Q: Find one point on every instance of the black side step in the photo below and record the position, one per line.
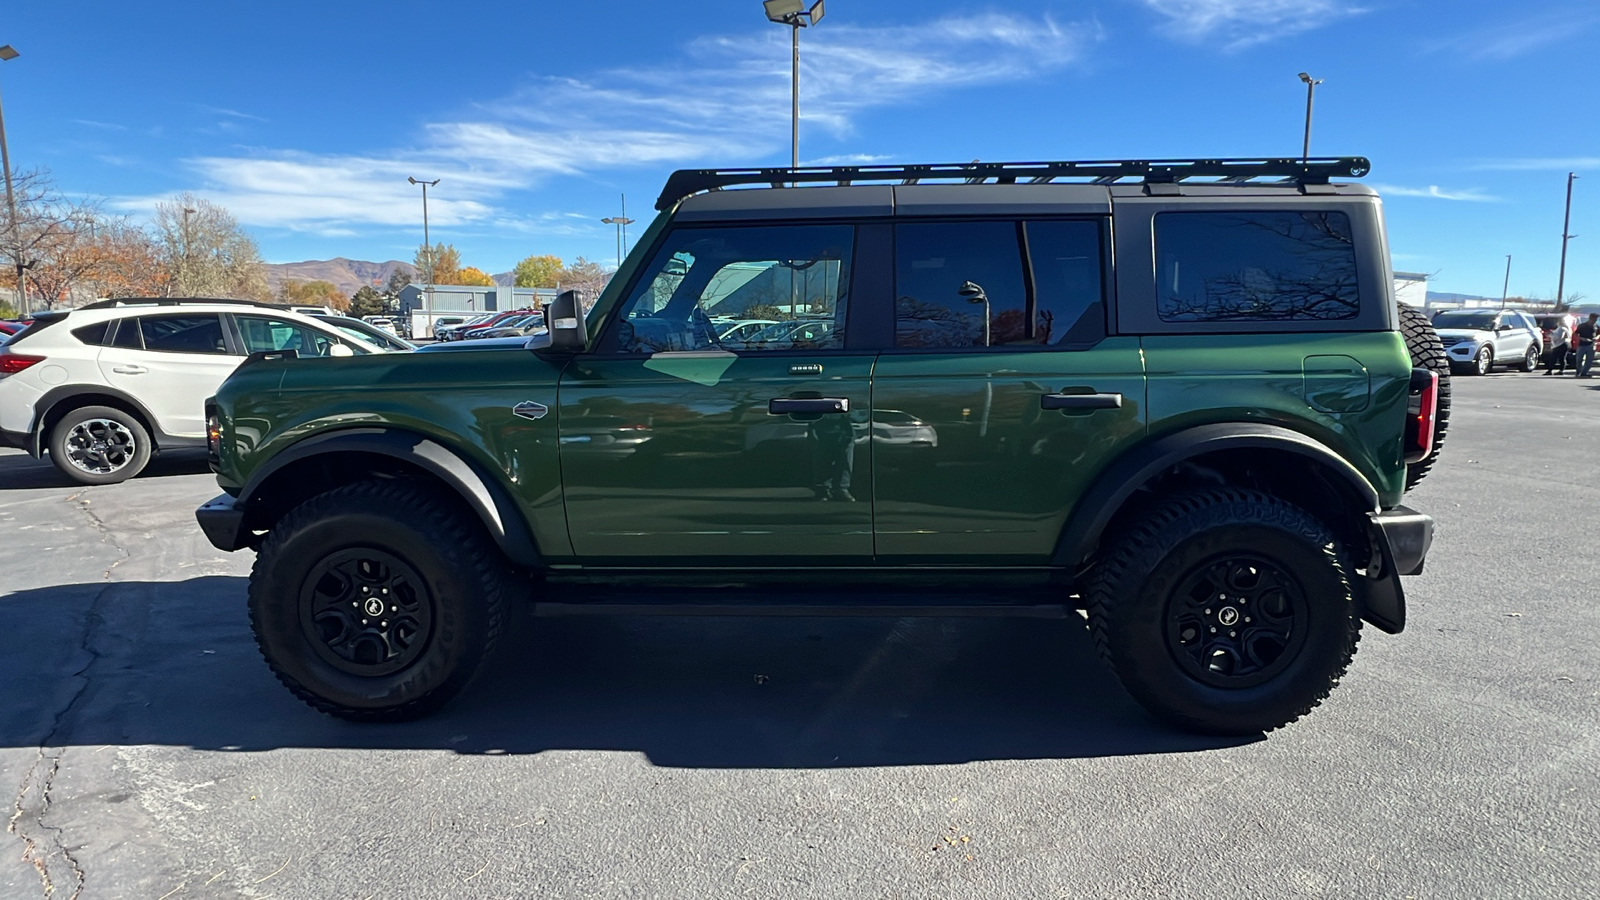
(747, 608)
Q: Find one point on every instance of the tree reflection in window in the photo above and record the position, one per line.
(1255, 267)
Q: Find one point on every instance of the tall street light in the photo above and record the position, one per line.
(1311, 92)
(1506, 288)
(8, 53)
(1566, 227)
(427, 242)
(622, 222)
(794, 14)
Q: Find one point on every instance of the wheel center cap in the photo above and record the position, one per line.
(1228, 616)
(373, 606)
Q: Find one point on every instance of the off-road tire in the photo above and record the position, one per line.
(136, 458)
(422, 529)
(1530, 359)
(1422, 342)
(1133, 603)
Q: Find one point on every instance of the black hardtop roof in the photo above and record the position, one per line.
(685, 183)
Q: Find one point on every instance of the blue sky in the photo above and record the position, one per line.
(304, 119)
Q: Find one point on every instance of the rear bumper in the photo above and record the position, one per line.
(222, 520)
(16, 440)
(1410, 535)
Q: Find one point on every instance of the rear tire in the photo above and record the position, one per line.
(378, 601)
(99, 445)
(1226, 612)
(1427, 353)
(1530, 359)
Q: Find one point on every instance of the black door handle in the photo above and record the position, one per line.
(788, 406)
(1080, 401)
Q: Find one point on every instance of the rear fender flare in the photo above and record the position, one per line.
(1091, 516)
(487, 498)
(65, 394)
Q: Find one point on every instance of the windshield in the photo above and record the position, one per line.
(1474, 321)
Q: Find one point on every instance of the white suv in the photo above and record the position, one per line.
(104, 387)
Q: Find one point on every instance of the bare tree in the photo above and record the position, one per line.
(48, 239)
(206, 253)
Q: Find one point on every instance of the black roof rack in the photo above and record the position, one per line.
(171, 301)
(686, 183)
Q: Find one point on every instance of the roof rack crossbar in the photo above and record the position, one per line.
(119, 302)
(688, 182)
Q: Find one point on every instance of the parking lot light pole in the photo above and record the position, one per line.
(622, 222)
(1311, 93)
(427, 243)
(1506, 288)
(794, 14)
(1566, 228)
(8, 53)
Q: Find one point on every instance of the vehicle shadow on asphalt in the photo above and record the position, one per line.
(18, 471)
(176, 666)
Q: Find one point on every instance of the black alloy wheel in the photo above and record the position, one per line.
(366, 611)
(379, 600)
(1227, 611)
(1232, 622)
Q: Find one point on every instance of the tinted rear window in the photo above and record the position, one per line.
(1255, 267)
(93, 335)
(183, 334)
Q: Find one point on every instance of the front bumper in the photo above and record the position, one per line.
(1463, 352)
(1409, 535)
(222, 520)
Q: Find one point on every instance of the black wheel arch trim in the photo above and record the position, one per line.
(54, 397)
(1380, 594)
(487, 497)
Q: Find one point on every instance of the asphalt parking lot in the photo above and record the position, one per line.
(151, 754)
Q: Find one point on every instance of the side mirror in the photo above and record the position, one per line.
(565, 324)
(340, 350)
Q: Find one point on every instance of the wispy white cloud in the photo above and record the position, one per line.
(726, 99)
(1434, 192)
(1520, 36)
(1239, 23)
(1540, 164)
(104, 126)
(230, 113)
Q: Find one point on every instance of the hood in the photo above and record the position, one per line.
(1473, 333)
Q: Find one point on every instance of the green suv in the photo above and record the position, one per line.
(1178, 396)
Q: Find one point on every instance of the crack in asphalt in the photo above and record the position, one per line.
(39, 779)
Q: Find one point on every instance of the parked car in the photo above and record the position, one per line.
(742, 329)
(1227, 529)
(510, 343)
(519, 326)
(446, 326)
(366, 331)
(1548, 324)
(466, 332)
(11, 326)
(102, 389)
(1477, 340)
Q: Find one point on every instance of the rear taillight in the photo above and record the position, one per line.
(12, 363)
(1422, 412)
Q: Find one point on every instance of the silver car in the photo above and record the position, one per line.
(1477, 340)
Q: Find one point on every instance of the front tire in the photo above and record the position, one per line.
(1483, 362)
(99, 445)
(377, 601)
(1225, 612)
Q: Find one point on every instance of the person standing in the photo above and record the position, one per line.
(1560, 337)
(1587, 335)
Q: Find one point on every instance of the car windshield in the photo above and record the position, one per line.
(1475, 321)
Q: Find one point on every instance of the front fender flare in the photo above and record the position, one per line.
(488, 498)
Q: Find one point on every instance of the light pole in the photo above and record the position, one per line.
(1566, 226)
(1311, 92)
(427, 243)
(794, 14)
(622, 222)
(8, 53)
(1506, 288)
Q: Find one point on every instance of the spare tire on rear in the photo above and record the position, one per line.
(1427, 353)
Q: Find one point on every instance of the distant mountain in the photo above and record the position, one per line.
(348, 274)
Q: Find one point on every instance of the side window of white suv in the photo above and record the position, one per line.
(260, 333)
(195, 333)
